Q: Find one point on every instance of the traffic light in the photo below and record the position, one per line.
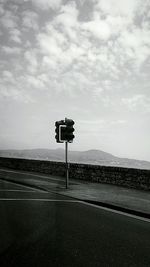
(58, 131)
(69, 136)
(64, 131)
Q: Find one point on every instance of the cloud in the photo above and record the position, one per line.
(136, 44)
(8, 76)
(31, 59)
(87, 52)
(52, 41)
(67, 20)
(35, 82)
(15, 35)
(118, 122)
(8, 20)
(65, 44)
(118, 23)
(14, 87)
(11, 50)
(92, 122)
(1, 10)
(68, 15)
(47, 4)
(118, 7)
(30, 20)
(90, 127)
(58, 51)
(98, 29)
(100, 126)
(138, 103)
(13, 93)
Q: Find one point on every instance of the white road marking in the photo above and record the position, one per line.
(25, 186)
(36, 175)
(15, 190)
(82, 202)
(39, 199)
(116, 211)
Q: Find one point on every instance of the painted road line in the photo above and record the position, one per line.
(40, 199)
(85, 203)
(15, 183)
(36, 175)
(24, 186)
(116, 211)
(80, 202)
(16, 190)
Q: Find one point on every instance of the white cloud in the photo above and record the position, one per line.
(118, 7)
(43, 77)
(49, 45)
(56, 35)
(34, 82)
(144, 9)
(136, 45)
(11, 50)
(118, 122)
(65, 42)
(8, 20)
(100, 126)
(49, 64)
(32, 62)
(46, 4)
(58, 51)
(67, 20)
(98, 28)
(91, 127)
(13, 93)
(135, 38)
(68, 15)
(8, 76)
(30, 20)
(117, 24)
(15, 35)
(1, 10)
(137, 102)
(73, 52)
(92, 122)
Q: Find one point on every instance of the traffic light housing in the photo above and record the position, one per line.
(57, 131)
(69, 136)
(64, 131)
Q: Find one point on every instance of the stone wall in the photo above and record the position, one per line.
(128, 177)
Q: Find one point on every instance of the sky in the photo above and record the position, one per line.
(87, 60)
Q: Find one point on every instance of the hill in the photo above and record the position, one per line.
(96, 157)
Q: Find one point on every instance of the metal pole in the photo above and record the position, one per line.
(67, 169)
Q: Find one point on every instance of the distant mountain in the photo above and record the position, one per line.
(96, 157)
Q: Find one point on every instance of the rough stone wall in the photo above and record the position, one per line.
(128, 177)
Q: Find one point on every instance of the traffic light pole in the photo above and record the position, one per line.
(67, 165)
(64, 133)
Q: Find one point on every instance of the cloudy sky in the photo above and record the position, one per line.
(88, 60)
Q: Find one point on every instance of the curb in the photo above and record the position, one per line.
(119, 208)
(97, 203)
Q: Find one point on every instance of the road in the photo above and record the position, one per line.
(40, 228)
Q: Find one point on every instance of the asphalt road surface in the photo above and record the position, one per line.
(39, 228)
